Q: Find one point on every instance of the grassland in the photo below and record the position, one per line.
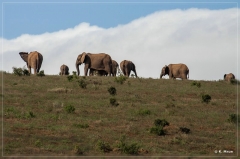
(50, 116)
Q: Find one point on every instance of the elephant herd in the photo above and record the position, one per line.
(103, 65)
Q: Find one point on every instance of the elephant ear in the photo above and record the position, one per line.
(83, 57)
(224, 76)
(166, 69)
(24, 56)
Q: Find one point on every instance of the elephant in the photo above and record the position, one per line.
(100, 61)
(229, 77)
(33, 59)
(104, 73)
(127, 67)
(64, 70)
(175, 71)
(114, 67)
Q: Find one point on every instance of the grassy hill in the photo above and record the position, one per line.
(51, 116)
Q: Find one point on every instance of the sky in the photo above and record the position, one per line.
(201, 34)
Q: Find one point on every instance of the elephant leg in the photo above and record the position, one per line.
(85, 70)
(29, 70)
(135, 73)
(126, 72)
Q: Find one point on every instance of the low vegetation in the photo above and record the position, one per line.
(117, 116)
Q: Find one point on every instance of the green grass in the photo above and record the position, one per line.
(51, 116)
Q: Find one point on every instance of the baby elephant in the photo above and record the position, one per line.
(229, 77)
(64, 70)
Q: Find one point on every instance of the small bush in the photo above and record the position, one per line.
(84, 126)
(159, 122)
(38, 143)
(233, 118)
(234, 81)
(112, 91)
(70, 78)
(41, 73)
(25, 72)
(30, 115)
(127, 148)
(206, 98)
(158, 130)
(74, 73)
(77, 150)
(17, 71)
(120, 79)
(144, 112)
(184, 130)
(69, 108)
(194, 83)
(113, 102)
(104, 146)
(82, 83)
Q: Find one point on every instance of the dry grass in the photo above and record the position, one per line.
(35, 122)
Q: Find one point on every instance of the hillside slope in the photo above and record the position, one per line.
(50, 116)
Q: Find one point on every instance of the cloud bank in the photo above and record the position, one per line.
(205, 40)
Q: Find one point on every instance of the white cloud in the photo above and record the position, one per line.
(205, 40)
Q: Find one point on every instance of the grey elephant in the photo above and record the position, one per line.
(127, 67)
(175, 71)
(64, 70)
(99, 61)
(33, 59)
(229, 77)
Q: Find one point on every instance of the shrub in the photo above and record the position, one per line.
(127, 148)
(206, 98)
(69, 108)
(184, 130)
(25, 72)
(38, 143)
(120, 79)
(233, 118)
(17, 71)
(103, 146)
(144, 112)
(112, 91)
(84, 126)
(194, 83)
(113, 102)
(41, 73)
(74, 73)
(30, 115)
(77, 150)
(70, 78)
(159, 122)
(158, 130)
(234, 81)
(82, 83)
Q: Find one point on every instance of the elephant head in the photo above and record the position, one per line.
(165, 71)
(33, 59)
(79, 61)
(127, 67)
(99, 61)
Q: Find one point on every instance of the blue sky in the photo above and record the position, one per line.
(201, 34)
(34, 17)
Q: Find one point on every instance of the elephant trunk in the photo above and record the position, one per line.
(161, 75)
(77, 67)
